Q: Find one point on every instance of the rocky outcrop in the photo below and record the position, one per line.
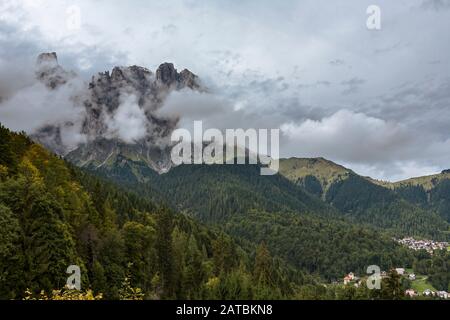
(49, 72)
(108, 153)
(104, 96)
(169, 76)
(190, 80)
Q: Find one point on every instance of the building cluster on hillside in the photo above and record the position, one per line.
(428, 293)
(352, 279)
(429, 245)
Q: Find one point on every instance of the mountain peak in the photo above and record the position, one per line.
(47, 57)
(110, 101)
(189, 79)
(307, 165)
(325, 171)
(169, 76)
(49, 72)
(133, 72)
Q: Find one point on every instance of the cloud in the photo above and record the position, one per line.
(436, 5)
(129, 121)
(61, 110)
(36, 106)
(266, 64)
(337, 62)
(352, 85)
(384, 149)
(193, 105)
(351, 137)
(395, 47)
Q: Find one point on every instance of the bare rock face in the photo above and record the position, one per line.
(123, 91)
(108, 153)
(189, 80)
(50, 59)
(108, 90)
(50, 72)
(169, 76)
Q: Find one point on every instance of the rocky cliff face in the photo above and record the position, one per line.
(168, 76)
(119, 113)
(49, 72)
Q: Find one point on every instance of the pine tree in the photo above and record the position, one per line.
(392, 287)
(224, 254)
(11, 257)
(264, 273)
(164, 250)
(48, 246)
(6, 154)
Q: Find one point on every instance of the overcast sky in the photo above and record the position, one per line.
(377, 101)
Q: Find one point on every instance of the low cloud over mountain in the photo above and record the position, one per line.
(62, 111)
(295, 65)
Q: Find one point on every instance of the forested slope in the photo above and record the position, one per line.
(52, 215)
(364, 201)
(295, 225)
(430, 192)
(262, 238)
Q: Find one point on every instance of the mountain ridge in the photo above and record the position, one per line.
(140, 92)
(119, 112)
(361, 199)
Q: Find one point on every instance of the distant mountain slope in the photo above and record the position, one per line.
(295, 225)
(315, 174)
(362, 200)
(213, 193)
(427, 182)
(106, 153)
(429, 192)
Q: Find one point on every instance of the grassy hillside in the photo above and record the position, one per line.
(427, 182)
(315, 174)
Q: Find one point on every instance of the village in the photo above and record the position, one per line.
(419, 284)
(429, 245)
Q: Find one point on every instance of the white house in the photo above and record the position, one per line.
(348, 278)
(400, 271)
(411, 293)
(428, 293)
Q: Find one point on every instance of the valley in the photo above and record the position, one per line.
(141, 227)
